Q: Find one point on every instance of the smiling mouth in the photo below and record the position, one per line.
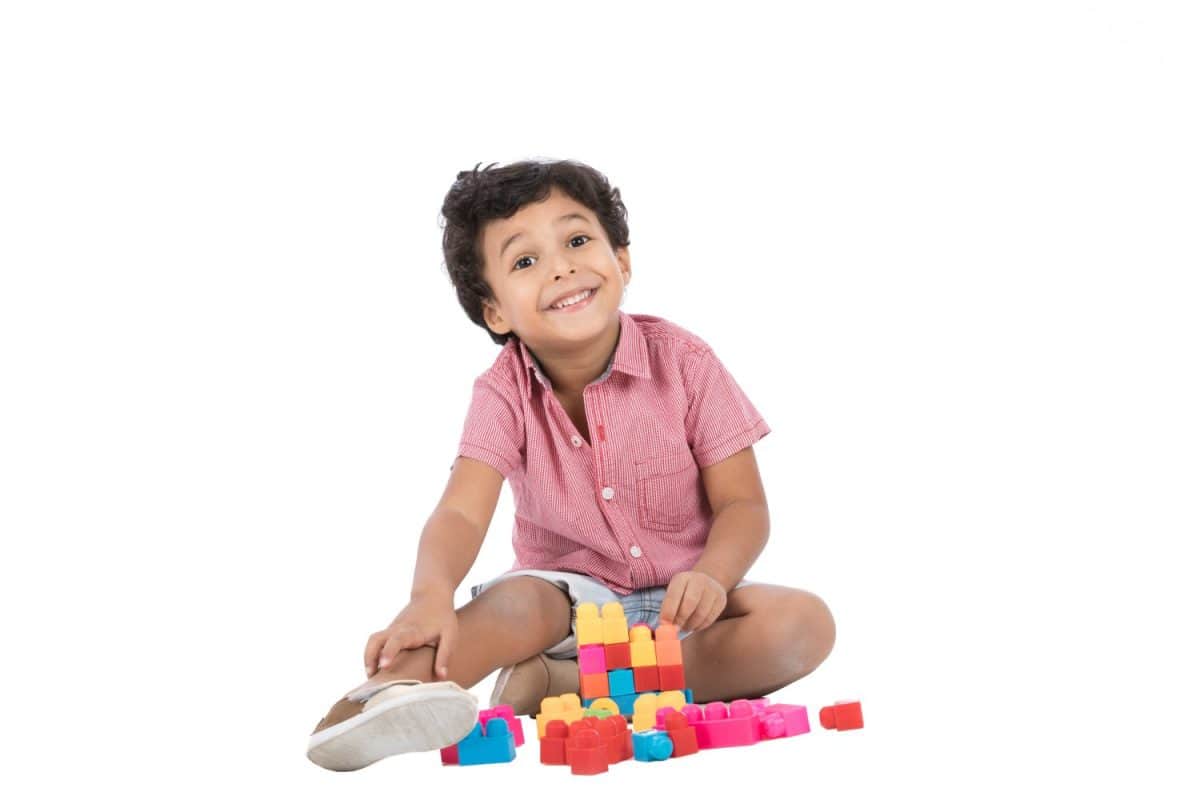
(577, 304)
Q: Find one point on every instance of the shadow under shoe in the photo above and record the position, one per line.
(524, 685)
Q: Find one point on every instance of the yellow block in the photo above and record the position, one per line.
(644, 709)
(588, 628)
(673, 698)
(641, 647)
(606, 704)
(616, 629)
(566, 707)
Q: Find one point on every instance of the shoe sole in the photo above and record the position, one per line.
(420, 720)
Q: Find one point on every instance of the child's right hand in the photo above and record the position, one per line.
(423, 621)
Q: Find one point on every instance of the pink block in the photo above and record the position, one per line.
(591, 659)
(780, 720)
(450, 754)
(720, 725)
(505, 713)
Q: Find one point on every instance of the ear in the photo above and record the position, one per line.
(622, 254)
(494, 319)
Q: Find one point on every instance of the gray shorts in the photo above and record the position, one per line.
(641, 605)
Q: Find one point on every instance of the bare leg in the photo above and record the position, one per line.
(766, 638)
(507, 623)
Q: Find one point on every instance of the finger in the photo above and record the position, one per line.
(692, 596)
(371, 654)
(670, 603)
(441, 660)
(706, 613)
(399, 640)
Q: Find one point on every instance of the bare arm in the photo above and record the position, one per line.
(448, 547)
(455, 531)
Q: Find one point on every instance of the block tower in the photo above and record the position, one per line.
(621, 663)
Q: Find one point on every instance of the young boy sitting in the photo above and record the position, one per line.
(627, 445)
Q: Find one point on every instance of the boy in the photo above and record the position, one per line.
(628, 448)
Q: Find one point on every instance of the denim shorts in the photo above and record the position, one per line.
(641, 605)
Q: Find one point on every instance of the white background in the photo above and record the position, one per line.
(948, 249)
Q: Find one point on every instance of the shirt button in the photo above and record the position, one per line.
(575, 440)
(635, 551)
(607, 493)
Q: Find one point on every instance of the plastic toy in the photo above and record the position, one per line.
(683, 735)
(641, 646)
(652, 745)
(565, 707)
(588, 627)
(845, 715)
(451, 754)
(491, 745)
(616, 629)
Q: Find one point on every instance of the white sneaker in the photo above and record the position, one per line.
(402, 716)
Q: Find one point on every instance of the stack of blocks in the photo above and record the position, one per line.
(620, 662)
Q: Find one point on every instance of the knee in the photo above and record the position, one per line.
(532, 605)
(808, 626)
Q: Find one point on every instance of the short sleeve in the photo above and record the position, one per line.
(494, 431)
(720, 420)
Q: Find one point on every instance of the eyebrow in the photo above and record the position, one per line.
(559, 221)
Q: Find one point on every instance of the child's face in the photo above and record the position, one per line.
(550, 259)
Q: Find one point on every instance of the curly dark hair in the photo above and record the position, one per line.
(479, 196)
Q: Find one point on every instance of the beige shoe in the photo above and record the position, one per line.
(380, 720)
(524, 685)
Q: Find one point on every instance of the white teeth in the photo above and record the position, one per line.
(570, 301)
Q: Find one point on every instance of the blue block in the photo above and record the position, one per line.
(652, 746)
(620, 681)
(687, 695)
(625, 703)
(496, 746)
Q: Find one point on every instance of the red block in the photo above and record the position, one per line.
(616, 656)
(554, 743)
(842, 716)
(586, 753)
(683, 736)
(645, 679)
(670, 677)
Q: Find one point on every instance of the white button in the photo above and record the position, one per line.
(575, 440)
(607, 493)
(635, 551)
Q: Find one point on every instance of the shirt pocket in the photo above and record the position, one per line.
(668, 491)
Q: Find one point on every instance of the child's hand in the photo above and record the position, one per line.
(693, 601)
(423, 621)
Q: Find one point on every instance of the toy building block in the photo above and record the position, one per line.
(617, 738)
(554, 744)
(781, 719)
(652, 745)
(683, 736)
(565, 707)
(593, 685)
(644, 709)
(670, 676)
(666, 645)
(588, 627)
(845, 715)
(616, 629)
(592, 660)
(586, 753)
(620, 681)
(720, 725)
(606, 704)
(618, 656)
(641, 647)
(674, 699)
(645, 679)
(491, 745)
(505, 713)
(450, 754)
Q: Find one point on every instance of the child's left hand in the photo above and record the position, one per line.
(693, 601)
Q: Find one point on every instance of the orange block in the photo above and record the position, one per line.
(667, 649)
(594, 685)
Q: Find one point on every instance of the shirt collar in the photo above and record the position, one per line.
(631, 356)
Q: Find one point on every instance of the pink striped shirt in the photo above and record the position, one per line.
(630, 508)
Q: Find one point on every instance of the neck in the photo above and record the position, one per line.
(570, 371)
